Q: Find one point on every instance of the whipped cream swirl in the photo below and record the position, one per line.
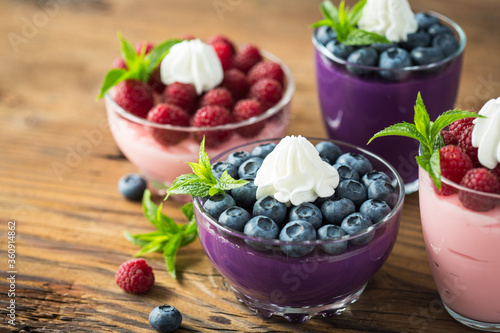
(392, 19)
(192, 61)
(295, 173)
(486, 134)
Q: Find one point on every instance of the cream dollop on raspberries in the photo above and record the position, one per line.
(192, 61)
(392, 19)
(486, 134)
(295, 173)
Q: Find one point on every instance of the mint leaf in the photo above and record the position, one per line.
(356, 12)
(169, 252)
(188, 211)
(448, 117)
(153, 246)
(362, 37)
(128, 52)
(329, 11)
(156, 55)
(165, 223)
(402, 129)
(112, 78)
(421, 119)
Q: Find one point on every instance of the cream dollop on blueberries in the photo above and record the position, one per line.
(294, 173)
(486, 134)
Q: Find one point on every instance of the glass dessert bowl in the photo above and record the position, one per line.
(300, 279)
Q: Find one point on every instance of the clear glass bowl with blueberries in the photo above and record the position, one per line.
(306, 260)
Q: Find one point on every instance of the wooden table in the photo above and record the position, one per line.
(70, 224)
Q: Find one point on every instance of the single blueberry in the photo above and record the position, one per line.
(356, 161)
(346, 172)
(272, 208)
(366, 56)
(339, 50)
(356, 223)
(328, 150)
(336, 210)
(238, 157)
(307, 212)
(324, 34)
(448, 44)
(261, 226)
(132, 186)
(373, 175)
(438, 29)
(235, 218)
(332, 233)
(249, 168)
(394, 58)
(352, 190)
(165, 318)
(263, 150)
(218, 203)
(419, 38)
(246, 195)
(375, 209)
(426, 55)
(425, 21)
(218, 169)
(383, 190)
(320, 200)
(381, 47)
(297, 231)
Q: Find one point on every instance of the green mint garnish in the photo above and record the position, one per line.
(428, 134)
(343, 21)
(168, 237)
(139, 66)
(202, 181)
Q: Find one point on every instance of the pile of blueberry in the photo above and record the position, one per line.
(363, 197)
(432, 43)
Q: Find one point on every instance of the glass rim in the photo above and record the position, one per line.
(465, 189)
(410, 69)
(393, 214)
(283, 102)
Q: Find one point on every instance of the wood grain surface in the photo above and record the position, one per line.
(70, 221)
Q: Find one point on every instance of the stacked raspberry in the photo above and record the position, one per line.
(459, 163)
(251, 85)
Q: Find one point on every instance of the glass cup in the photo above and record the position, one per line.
(270, 282)
(355, 107)
(463, 248)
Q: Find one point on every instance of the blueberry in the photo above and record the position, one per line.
(354, 223)
(324, 34)
(346, 172)
(270, 207)
(426, 55)
(132, 186)
(336, 210)
(332, 232)
(438, 29)
(339, 50)
(448, 44)
(352, 190)
(328, 150)
(320, 200)
(238, 157)
(218, 203)
(356, 161)
(249, 168)
(218, 169)
(297, 231)
(381, 47)
(235, 218)
(307, 212)
(394, 58)
(263, 150)
(373, 175)
(261, 226)
(246, 195)
(425, 21)
(165, 318)
(419, 38)
(375, 209)
(366, 56)
(383, 190)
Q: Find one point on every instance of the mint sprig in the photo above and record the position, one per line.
(202, 182)
(139, 66)
(428, 134)
(343, 20)
(169, 236)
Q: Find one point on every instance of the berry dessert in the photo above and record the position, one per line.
(161, 100)
(289, 234)
(370, 67)
(460, 207)
(135, 276)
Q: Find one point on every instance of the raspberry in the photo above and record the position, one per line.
(457, 127)
(454, 164)
(236, 82)
(449, 138)
(119, 63)
(265, 69)
(181, 94)
(146, 45)
(223, 51)
(134, 96)
(210, 116)
(479, 179)
(267, 91)
(218, 38)
(465, 142)
(168, 114)
(218, 96)
(245, 109)
(135, 276)
(246, 57)
(496, 171)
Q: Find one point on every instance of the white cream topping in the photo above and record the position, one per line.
(295, 173)
(192, 61)
(486, 134)
(392, 19)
